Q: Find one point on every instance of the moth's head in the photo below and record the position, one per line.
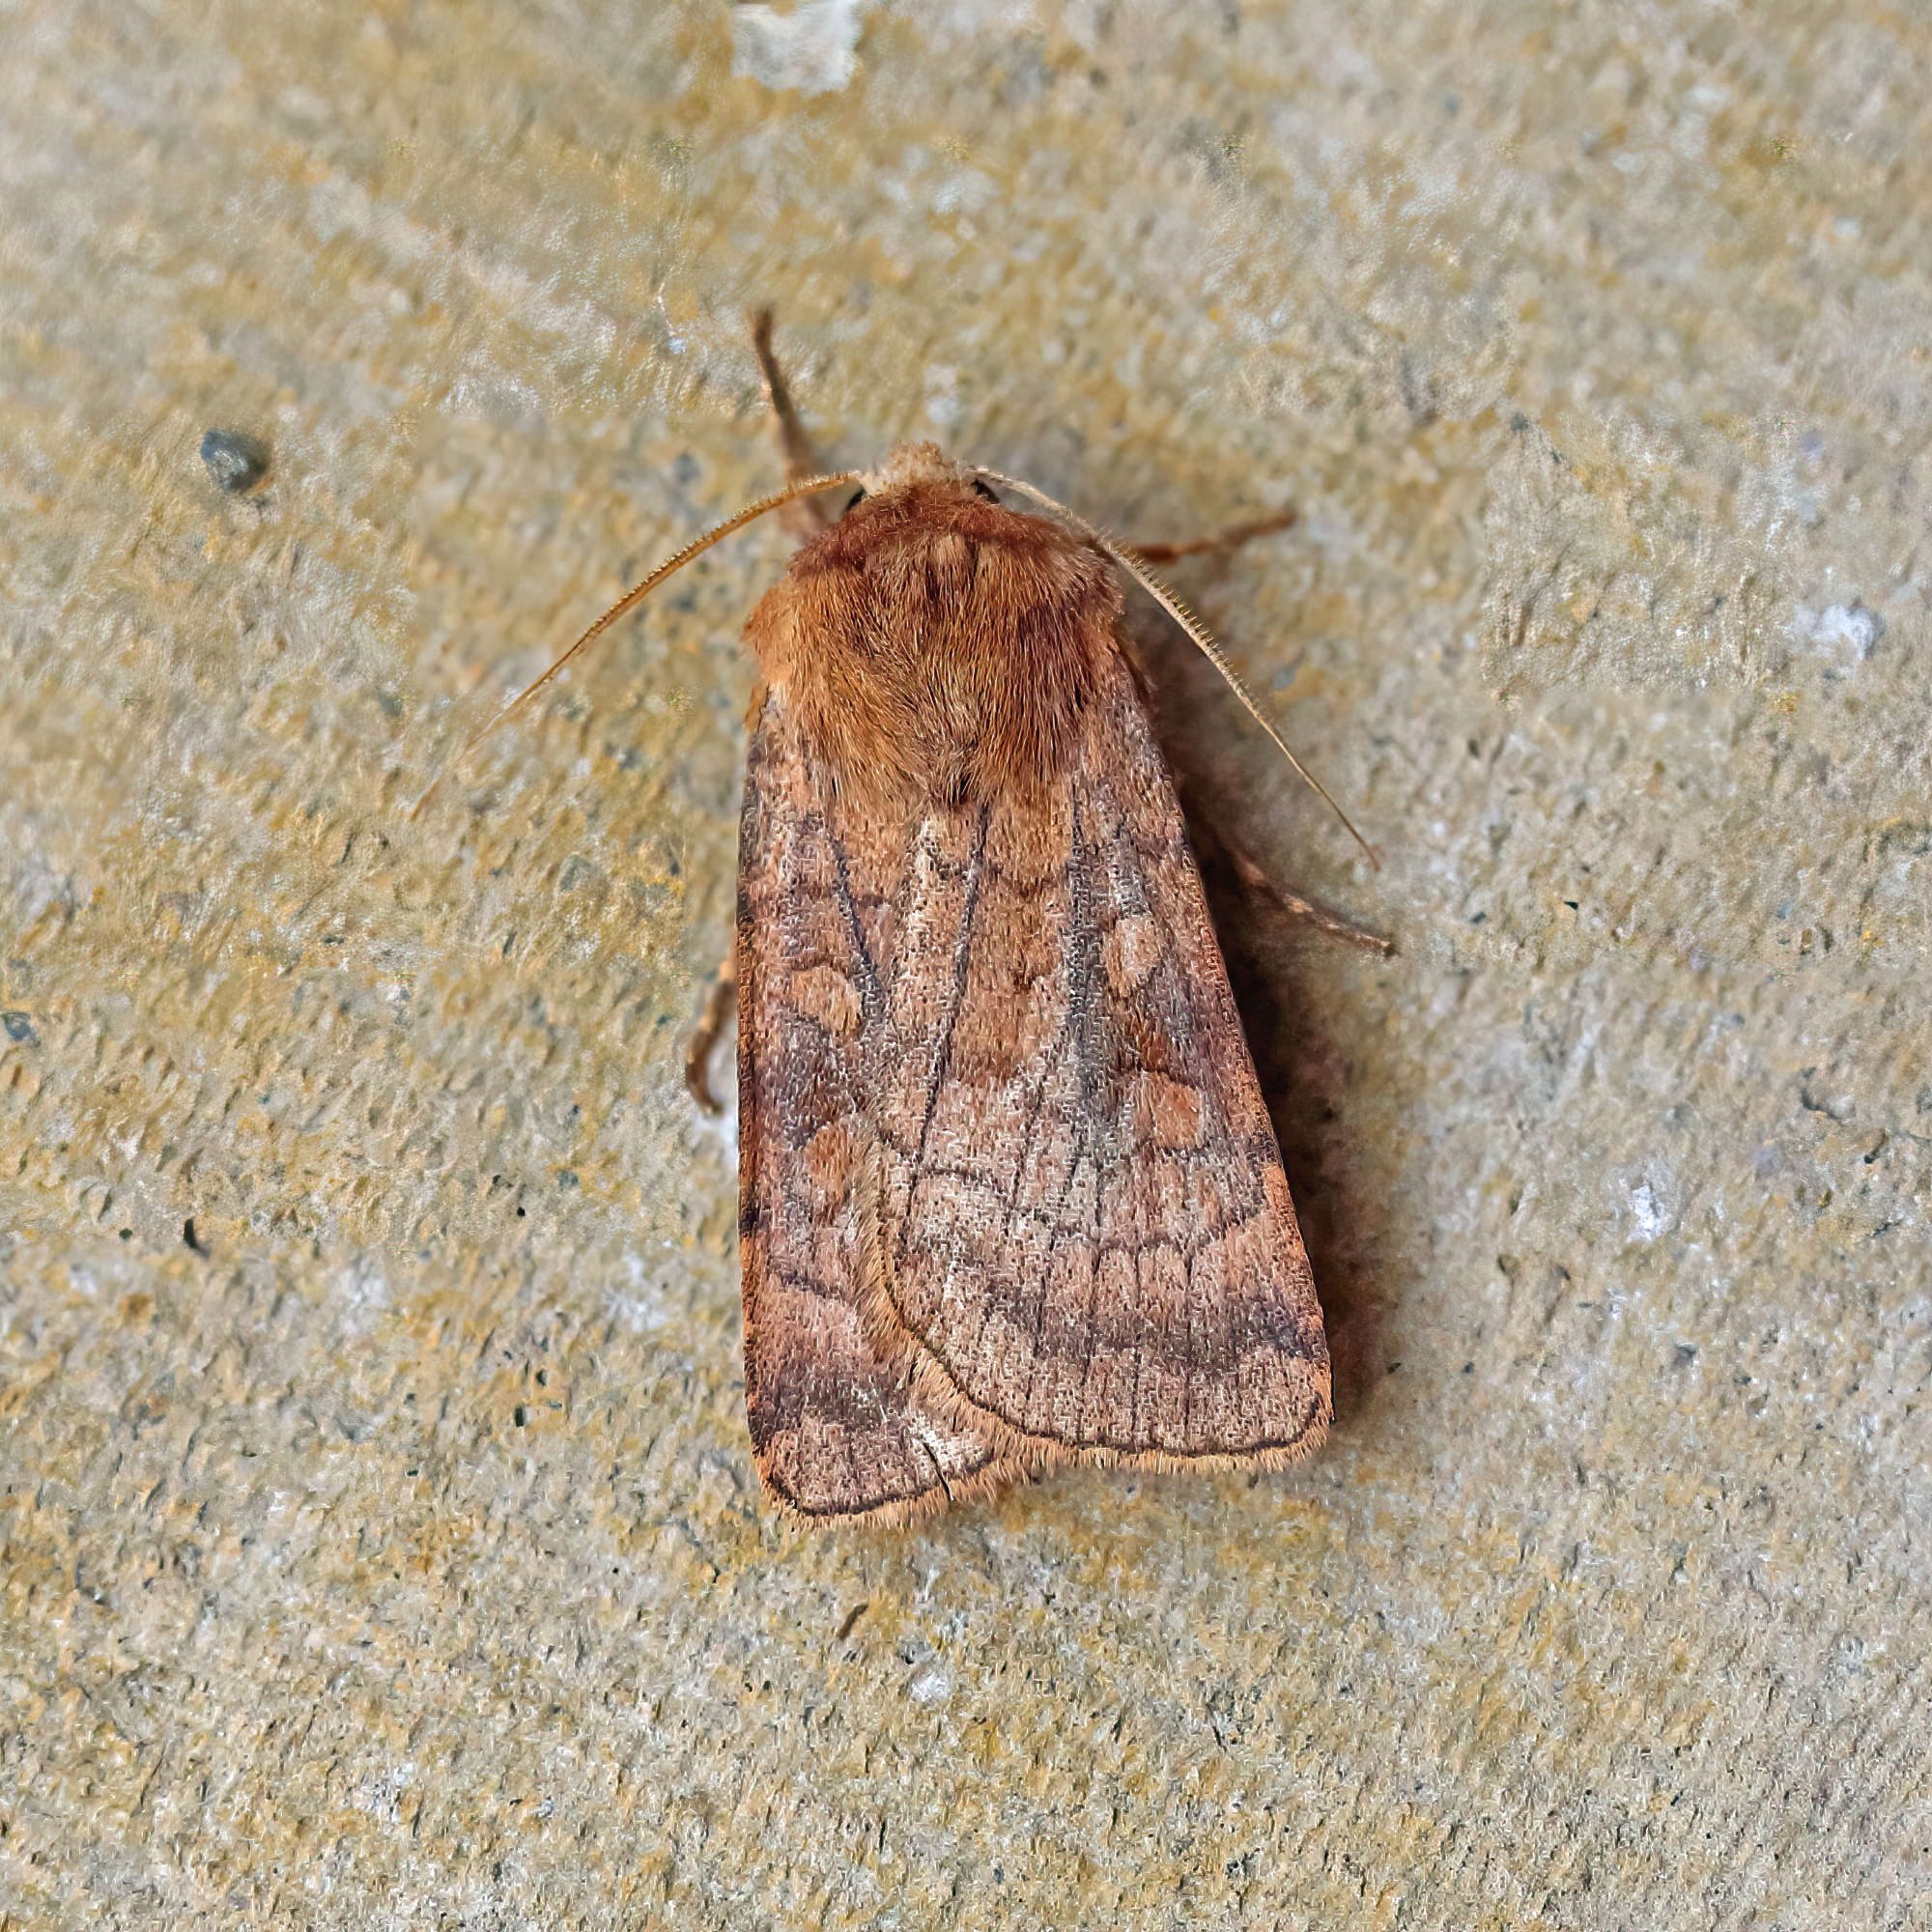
(913, 465)
(934, 643)
(918, 481)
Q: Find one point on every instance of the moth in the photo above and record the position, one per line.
(1010, 1196)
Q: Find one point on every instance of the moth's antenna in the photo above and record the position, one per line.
(805, 487)
(1203, 640)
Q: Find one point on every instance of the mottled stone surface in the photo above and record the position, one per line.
(381, 1543)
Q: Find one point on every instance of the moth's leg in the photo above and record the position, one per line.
(1208, 834)
(1232, 538)
(1246, 868)
(719, 1004)
(804, 516)
(1251, 875)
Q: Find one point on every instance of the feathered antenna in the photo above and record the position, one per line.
(630, 599)
(1198, 632)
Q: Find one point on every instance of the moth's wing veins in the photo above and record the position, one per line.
(1087, 1233)
(838, 1430)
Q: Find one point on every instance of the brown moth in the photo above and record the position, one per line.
(1010, 1195)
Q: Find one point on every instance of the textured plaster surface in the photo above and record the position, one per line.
(383, 1548)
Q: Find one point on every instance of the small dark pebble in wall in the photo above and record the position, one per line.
(188, 1235)
(235, 461)
(19, 1029)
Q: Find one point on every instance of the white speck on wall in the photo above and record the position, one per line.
(932, 1685)
(365, 1294)
(381, 1795)
(37, 885)
(647, 1308)
(1842, 632)
(1645, 1213)
(942, 397)
(812, 48)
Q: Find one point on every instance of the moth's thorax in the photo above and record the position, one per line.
(934, 644)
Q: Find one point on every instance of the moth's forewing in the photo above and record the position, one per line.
(836, 1428)
(1088, 1240)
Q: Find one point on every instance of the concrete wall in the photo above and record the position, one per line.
(390, 1554)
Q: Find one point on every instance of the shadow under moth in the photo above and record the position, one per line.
(1010, 1195)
